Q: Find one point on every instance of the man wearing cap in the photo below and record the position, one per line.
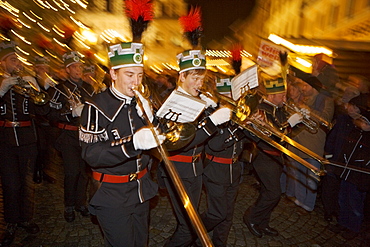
(314, 100)
(67, 103)
(89, 75)
(187, 160)
(269, 162)
(17, 146)
(114, 134)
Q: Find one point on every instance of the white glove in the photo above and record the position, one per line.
(49, 83)
(32, 81)
(209, 101)
(220, 116)
(77, 110)
(6, 84)
(147, 108)
(143, 139)
(295, 119)
(305, 112)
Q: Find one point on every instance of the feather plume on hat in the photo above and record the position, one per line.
(140, 13)
(284, 64)
(192, 26)
(236, 57)
(7, 23)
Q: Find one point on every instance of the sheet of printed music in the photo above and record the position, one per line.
(181, 108)
(248, 79)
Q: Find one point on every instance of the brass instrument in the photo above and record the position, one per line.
(191, 211)
(311, 121)
(178, 135)
(28, 89)
(263, 131)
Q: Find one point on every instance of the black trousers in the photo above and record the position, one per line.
(184, 234)
(269, 169)
(46, 136)
(124, 226)
(16, 171)
(75, 169)
(221, 200)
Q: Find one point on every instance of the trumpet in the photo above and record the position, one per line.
(311, 121)
(264, 131)
(28, 89)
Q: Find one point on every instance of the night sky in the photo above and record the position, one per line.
(218, 15)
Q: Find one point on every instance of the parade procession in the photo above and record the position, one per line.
(184, 123)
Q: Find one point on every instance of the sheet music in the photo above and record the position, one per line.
(239, 83)
(181, 108)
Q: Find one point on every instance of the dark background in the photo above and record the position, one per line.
(218, 15)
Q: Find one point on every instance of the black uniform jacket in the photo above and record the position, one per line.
(275, 117)
(227, 143)
(15, 107)
(204, 129)
(108, 123)
(61, 94)
(356, 152)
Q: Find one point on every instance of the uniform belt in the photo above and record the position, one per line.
(15, 124)
(67, 126)
(184, 158)
(272, 152)
(220, 159)
(118, 179)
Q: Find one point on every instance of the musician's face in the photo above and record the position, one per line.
(127, 78)
(191, 82)
(75, 71)
(42, 69)
(11, 64)
(278, 99)
(307, 90)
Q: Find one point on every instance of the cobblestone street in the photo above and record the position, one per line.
(295, 229)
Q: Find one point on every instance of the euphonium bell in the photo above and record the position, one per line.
(27, 89)
(178, 135)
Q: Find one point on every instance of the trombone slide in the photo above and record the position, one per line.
(189, 207)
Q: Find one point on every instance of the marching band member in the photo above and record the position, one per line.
(67, 102)
(114, 135)
(269, 162)
(46, 133)
(221, 178)
(18, 148)
(187, 160)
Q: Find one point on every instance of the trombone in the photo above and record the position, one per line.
(191, 211)
(263, 131)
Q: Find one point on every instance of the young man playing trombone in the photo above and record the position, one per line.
(114, 133)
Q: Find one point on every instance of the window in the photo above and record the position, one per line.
(350, 8)
(334, 13)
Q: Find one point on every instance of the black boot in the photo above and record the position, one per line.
(9, 234)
